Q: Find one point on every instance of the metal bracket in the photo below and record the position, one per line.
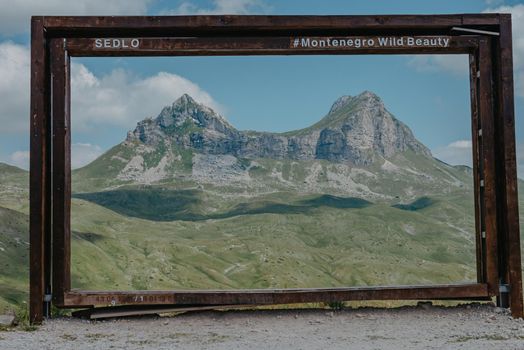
(475, 31)
(480, 132)
(481, 183)
(483, 234)
(48, 298)
(504, 288)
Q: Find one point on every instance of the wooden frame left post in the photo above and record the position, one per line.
(61, 168)
(40, 176)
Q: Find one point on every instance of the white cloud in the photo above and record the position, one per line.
(230, 7)
(14, 87)
(20, 159)
(517, 20)
(520, 162)
(462, 144)
(460, 153)
(458, 64)
(122, 99)
(118, 98)
(456, 153)
(83, 154)
(519, 83)
(15, 15)
(493, 2)
(455, 64)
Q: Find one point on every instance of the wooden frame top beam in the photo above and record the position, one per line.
(273, 22)
(71, 26)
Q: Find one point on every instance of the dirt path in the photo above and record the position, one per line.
(477, 327)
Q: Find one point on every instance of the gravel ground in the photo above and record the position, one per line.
(471, 327)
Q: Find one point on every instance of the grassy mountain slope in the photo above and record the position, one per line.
(170, 214)
(14, 188)
(14, 261)
(276, 239)
(417, 214)
(326, 246)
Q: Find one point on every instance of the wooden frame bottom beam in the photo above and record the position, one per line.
(83, 298)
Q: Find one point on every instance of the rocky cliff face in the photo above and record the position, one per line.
(356, 130)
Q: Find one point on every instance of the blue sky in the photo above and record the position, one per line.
(271, 93)
(281, 93)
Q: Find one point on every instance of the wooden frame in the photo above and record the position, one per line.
(486, 38)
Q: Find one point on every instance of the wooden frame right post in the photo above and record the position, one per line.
(510, 266)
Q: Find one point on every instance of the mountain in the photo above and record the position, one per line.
(342, 202)
(189, 143)
(356, 130)
(14, 188)
(188, 201)
(14, 233)
(14, 256)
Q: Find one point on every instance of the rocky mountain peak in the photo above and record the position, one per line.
(357, 130)
(360, 128)
(186, 109)
(365, 99)
(339, 103)
(183, 114)
(369, 95)
(184, 100)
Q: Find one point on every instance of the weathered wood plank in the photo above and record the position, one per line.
(77, 298)
(488, 190)
(509, 228)
(474, 97)
(61, 170)
(287, 45)
(38, 170)
(234, 23)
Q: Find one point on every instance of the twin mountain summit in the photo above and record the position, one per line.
(357, 131)
(358, 150)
